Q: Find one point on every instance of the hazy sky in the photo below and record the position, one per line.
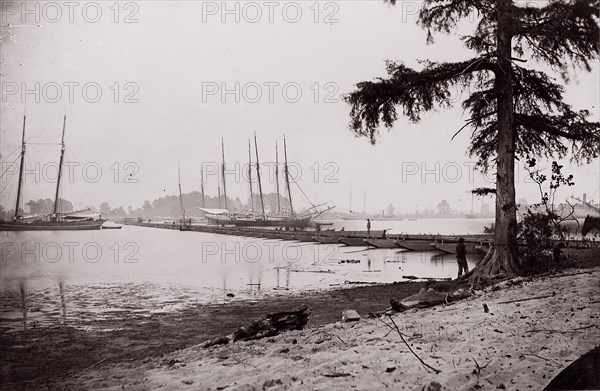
(182, 75)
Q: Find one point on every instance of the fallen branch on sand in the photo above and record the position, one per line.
(575, 330)
(390, 326)
(569, 274)
(427, 366)
(428, 298)
(478, 368)
(538, 356)
(337, 374)
(93, 365)
(427, 278)
(272, 325)
(527, 299)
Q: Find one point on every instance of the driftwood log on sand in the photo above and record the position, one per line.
(428, 298)
(271, 325)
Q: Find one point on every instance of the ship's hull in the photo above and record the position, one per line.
(414, 245)
(382, 243)
(450, 248)
(326, 239)
(52, 225)
(353, 241)
(278, 222)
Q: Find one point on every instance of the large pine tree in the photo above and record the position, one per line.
(515, 111)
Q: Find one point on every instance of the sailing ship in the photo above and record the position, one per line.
(283, 220)
(354, 215)
(186, 225)
(56, 221)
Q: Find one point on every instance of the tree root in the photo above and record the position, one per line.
(497, 264)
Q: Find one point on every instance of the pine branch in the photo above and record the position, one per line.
(559, 30)
(414, 91)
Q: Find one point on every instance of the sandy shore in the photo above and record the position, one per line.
(515, 346)
(126, 324)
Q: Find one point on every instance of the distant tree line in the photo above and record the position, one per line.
(39, 207)
(170, 205)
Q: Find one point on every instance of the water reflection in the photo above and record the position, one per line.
(287, 270)
(24, 307)
(63, 302)
(254, 288)
(147, 270)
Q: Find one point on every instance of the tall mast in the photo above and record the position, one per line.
(250, 175)
(223, 172)
(350, 197)
(21, 170)
(277, 178)
(202, 186)
(60, 165)
(262, 201)
(287, 176)
(365, 200)
(219, 195)
(181, 195)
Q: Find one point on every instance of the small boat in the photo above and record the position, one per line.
(382, 243)
(450, 248)
(353, 241)
(38, 225)
(326, 239)
(304, 237)
(414, 245)
(276, 235)
(109, 225)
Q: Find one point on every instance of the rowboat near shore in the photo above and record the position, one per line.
(353, 241)
(111, 225)
(382, 243)
(450, 248)
(326, 239)
(414, 245)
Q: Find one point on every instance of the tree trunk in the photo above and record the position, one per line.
(504, 260)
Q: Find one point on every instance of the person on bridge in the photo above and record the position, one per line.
(368, 228)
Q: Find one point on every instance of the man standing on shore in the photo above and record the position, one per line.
(461, 257)
(368, 228)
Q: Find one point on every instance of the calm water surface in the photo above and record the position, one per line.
(152, 269)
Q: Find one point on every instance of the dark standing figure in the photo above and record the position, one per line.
(384, 234)
(557, 253)
(461, 257)
(369, 228)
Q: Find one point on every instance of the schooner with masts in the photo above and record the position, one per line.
(56, 221)
(291, 219)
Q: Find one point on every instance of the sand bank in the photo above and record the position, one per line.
(520, 345)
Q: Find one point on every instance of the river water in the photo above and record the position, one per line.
(150, 270)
